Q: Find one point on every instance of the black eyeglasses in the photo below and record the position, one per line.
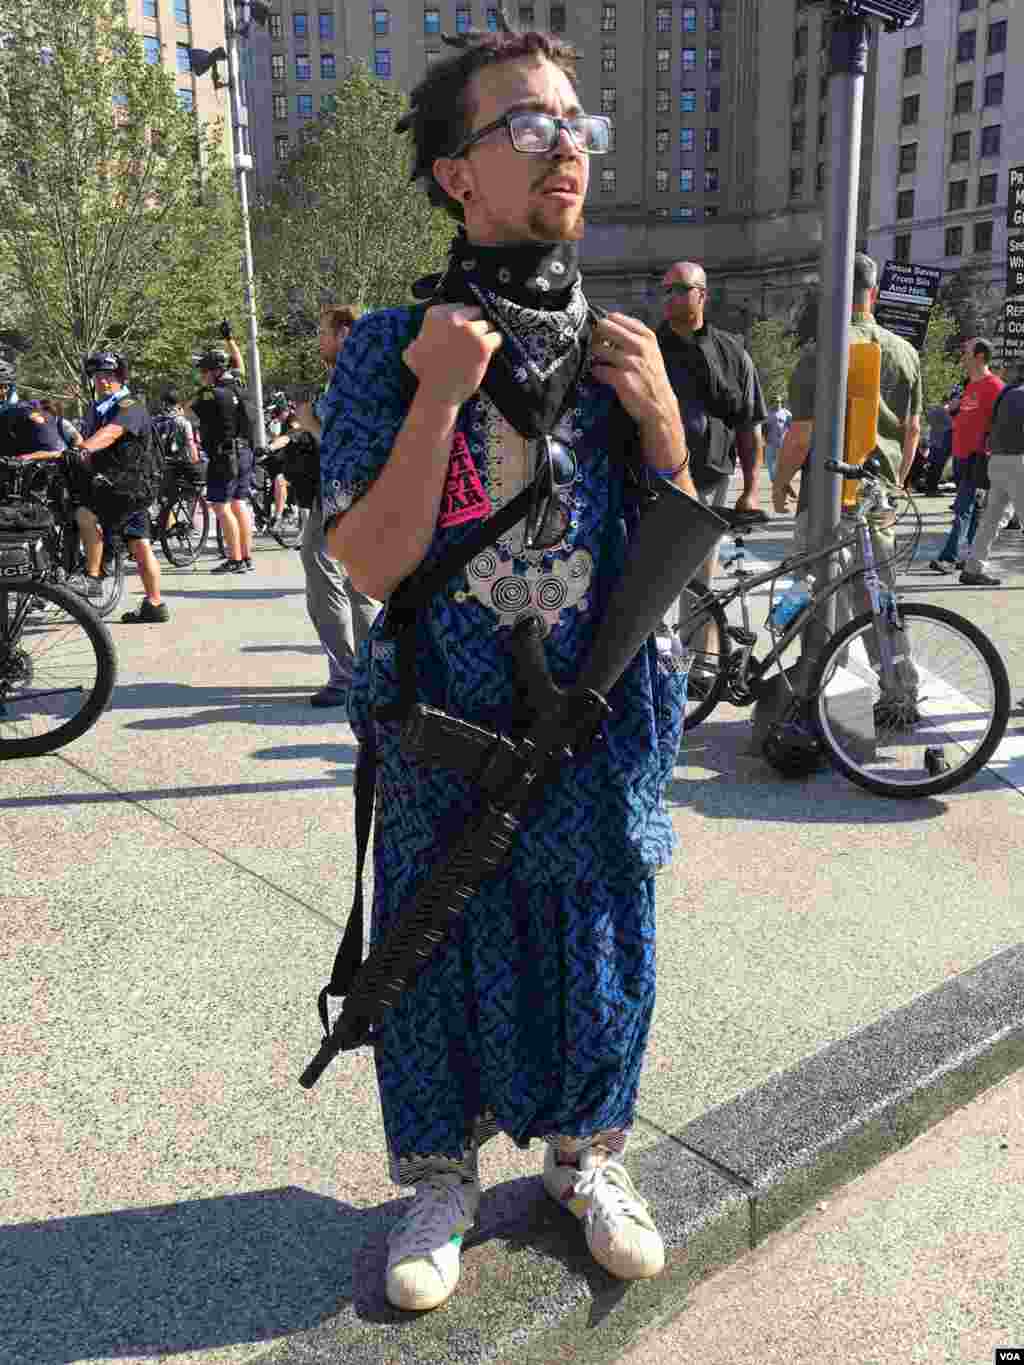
(548, 518)
(533, 134)
(683, 288)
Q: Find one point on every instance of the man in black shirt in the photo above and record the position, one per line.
(719, 395)
(226, 438)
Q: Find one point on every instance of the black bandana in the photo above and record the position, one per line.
(533, 294)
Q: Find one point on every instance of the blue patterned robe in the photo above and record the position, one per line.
(533, 1018)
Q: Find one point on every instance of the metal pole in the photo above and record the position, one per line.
(243, 161)
(848, 68)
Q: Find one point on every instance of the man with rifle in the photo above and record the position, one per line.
(506, 401)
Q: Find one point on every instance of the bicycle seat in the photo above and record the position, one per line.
(740, 521)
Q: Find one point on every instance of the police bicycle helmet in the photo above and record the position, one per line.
(106, 362)
(212, 359)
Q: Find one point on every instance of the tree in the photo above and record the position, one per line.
(119, 224)
(940, 367)
(342, 224)
(775, 350)
(975, 303)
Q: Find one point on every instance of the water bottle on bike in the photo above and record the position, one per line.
(791, 603)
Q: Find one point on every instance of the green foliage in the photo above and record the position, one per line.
(774, 348)
(975, 304)
(110, 232)
(940, 365)
(342, 224)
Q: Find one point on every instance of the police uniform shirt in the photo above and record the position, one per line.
(126, 412)
(719, 394)
(221, 413)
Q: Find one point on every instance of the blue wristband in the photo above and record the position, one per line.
(670, 473)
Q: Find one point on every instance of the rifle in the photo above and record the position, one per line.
(676, 535)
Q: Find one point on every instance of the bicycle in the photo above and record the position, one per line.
(906, 699)
(181, 517)
(57, 660)
(289, 527)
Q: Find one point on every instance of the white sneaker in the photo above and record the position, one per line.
(620, 1232)
(424, 1257)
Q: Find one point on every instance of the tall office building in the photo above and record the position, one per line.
(169, 29)
(718, 108)
(950, 124)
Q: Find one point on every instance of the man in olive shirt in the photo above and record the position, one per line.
(899, 418)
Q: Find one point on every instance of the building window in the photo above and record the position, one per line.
(711, 181)
(957, 195)
(799, 90)
(381, 23)
(661, 213)
(663, 19)
(149, 9)
(800, 42)
(714, 62)
(961, 147)
(796, 181)
(686, 182)
(661, 181)
(183, 56)
(611, 137)
(663, 62)
(711, 211)
(901, 248)
(992, 140)
(381, 63)
(607, 18)
(988, 188)
(823, 88)
(608, 99)
(819, 176)
(911, 110)
(661, 141)
(276, 27)
(796, 136)
(993, 89)
(280, 106)
(303, 70)
(963, 97)
(711, 136)
(431, 21)
(181, 13)
(327, 66)
(326, 25)
(492, 20)
(912, 61)
(689, 58)
(432, 54)
(463, 19)
(607, 179)
(714, 18)
(151, 46)
(277, 66)
(689, 18)
(905, 204)
(685, 214)
(304, 105)
(822, 126)
(527, 19)
(966, 44)
(662, 101)
(908, 158)
(186, 100)
(954, 241)
(996, 43)
(713, 99)
(608, 60)
(966, 6)
(281, 147)
(299, 24)
(328, 104)
(557, 24)
(687, 101)
(687, 140)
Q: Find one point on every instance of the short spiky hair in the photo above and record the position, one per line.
(442, 113)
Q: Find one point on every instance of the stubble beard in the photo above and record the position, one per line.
(548, 226)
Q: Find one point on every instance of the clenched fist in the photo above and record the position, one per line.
(452, 351)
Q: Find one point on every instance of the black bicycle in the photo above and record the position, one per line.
(57, 660)
(181, 517)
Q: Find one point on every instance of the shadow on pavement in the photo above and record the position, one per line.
(341, 777)
(254, 594)
(220, 704)
(282, 649)
(182, 1277)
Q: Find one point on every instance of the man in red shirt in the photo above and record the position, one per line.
(972, 422)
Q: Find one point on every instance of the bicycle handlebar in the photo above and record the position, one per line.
(870, 469)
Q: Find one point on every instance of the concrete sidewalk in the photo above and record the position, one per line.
(920, 1259)
(837, 973)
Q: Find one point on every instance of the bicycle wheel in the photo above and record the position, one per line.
(290, 524)
(703, 629)
(184, 524)
(935, 734)
(57, 668)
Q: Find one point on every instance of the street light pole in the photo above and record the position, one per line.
(243, 163)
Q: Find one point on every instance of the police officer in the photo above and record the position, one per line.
(226, 438)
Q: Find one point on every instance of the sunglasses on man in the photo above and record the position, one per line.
(683, 288)
(548, 518)
(533, 134)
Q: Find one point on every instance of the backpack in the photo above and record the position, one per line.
(169, 436)
(246, 418)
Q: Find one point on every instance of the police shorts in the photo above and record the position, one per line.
(117, 519)
(220, 487)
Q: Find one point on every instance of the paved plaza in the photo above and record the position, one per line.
(837, 973)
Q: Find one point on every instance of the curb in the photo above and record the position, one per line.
(530, 1292)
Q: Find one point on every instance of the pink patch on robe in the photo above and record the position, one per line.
(465, 498)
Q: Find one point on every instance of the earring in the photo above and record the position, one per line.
(467, 196)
